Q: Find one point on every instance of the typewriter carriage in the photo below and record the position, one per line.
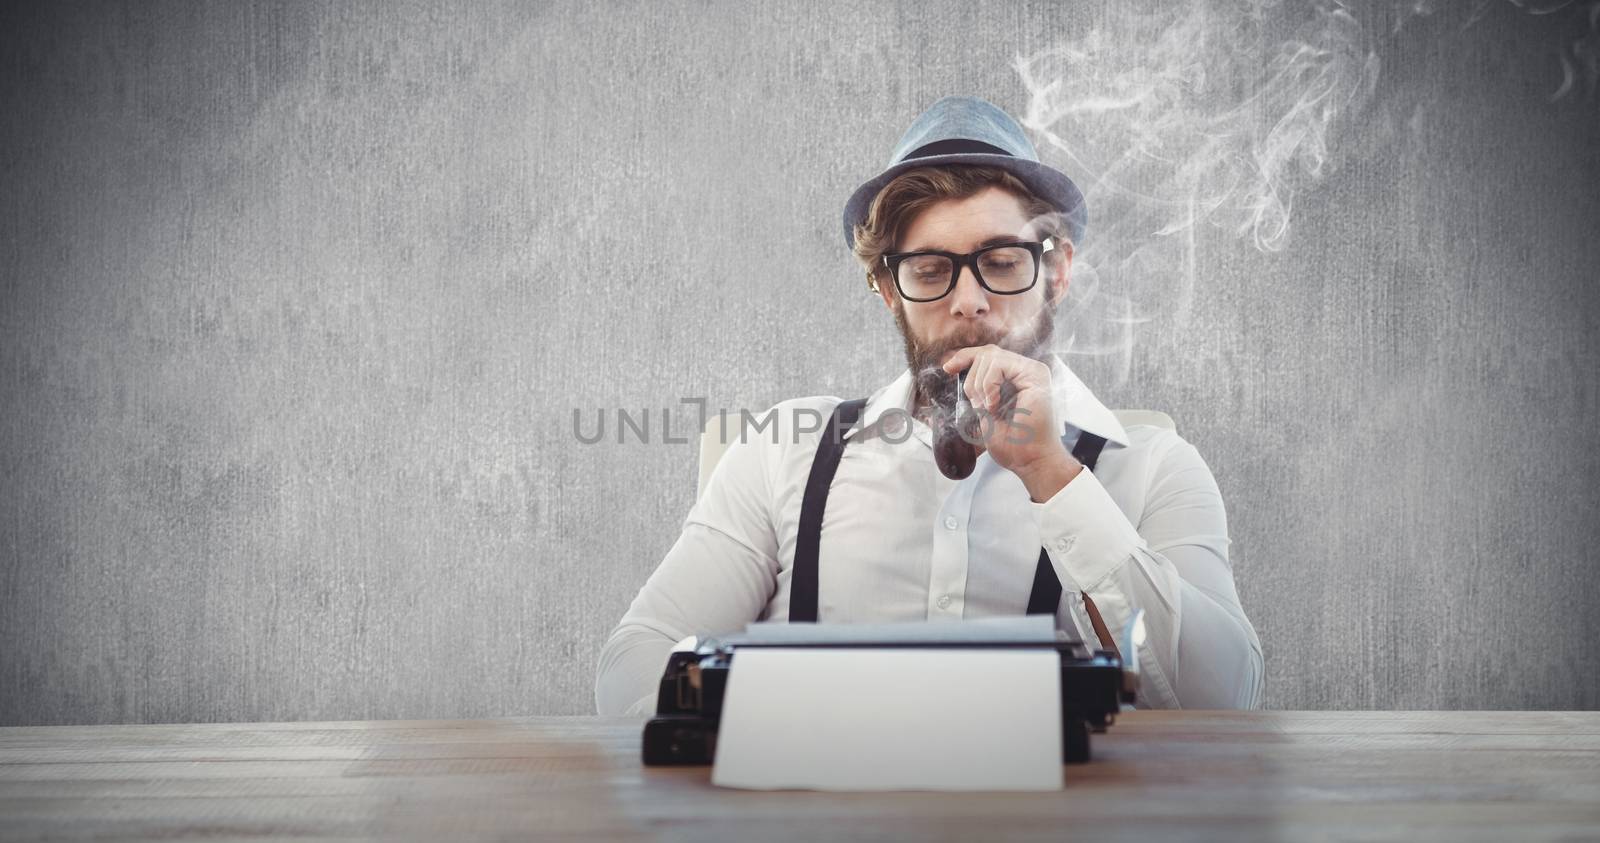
(1095, 685)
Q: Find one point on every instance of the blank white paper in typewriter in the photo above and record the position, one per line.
(846, 718)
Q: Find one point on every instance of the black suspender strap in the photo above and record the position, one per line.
(803, 578)
(1046, 594)
(1042, 600)
(1087, 451)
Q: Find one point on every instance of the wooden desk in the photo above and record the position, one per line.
(1157, 775)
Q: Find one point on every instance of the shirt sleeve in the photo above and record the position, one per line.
(717, 577)
(1200, 649)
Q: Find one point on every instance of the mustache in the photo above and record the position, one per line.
(931, 352)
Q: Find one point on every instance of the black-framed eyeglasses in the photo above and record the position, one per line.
(1004, 269)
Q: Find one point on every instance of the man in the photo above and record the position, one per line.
(968, 240)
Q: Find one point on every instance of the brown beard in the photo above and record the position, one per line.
(932, 385)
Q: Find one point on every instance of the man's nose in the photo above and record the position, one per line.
(969, 298)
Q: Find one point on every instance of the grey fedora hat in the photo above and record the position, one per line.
(970, 130)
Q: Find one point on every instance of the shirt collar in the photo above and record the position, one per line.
(1074, 404)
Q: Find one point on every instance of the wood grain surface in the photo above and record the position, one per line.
(1156, 775)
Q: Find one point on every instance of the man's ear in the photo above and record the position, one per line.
(884, 289)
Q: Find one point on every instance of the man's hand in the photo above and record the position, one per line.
(1020, 431)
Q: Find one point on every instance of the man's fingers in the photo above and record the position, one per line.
(978, 382)
(963, 357)
(1001, 376)
(1008, 398)
(990, 375)
(958, 361)
(994, 377)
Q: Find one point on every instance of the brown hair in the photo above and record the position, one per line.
(916, 190)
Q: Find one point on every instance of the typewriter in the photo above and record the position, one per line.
(1095, 685)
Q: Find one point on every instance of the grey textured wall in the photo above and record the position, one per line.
(298, 302)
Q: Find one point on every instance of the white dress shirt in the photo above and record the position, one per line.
(1145, 529)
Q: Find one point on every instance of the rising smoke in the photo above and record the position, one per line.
(1190, 120)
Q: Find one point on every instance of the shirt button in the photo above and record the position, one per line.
(944, 601)
(1065, 544)
(950, 522)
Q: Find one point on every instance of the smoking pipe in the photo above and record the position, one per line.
(955, 441)
(953, 449)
